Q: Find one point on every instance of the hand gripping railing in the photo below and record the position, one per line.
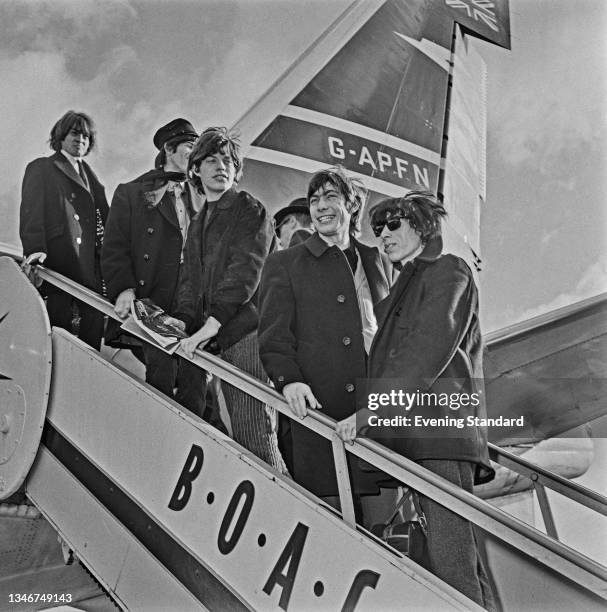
(546, 550)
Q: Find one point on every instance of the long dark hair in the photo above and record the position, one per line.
(81, 122)
(215, 140)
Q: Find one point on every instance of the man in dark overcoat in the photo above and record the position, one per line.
(62, 218)
(143, 252)
(317, 323)
(227, 246)
(429, 342)
(293, 225)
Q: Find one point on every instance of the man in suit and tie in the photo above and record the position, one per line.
(143, 251)
(62, 218)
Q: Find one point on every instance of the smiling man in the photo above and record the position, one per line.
(317, 323)
(62, 218)
(228, 243)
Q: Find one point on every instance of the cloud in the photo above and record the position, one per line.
(134, 66)
(547, 94)
(61, 25)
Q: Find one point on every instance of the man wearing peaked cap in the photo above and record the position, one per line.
(174, 132)
(293, 223)
(143, 251)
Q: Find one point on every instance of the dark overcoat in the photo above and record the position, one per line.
(225, 252)
(429, 340)
(57, 217)
(143, 241)
(310, 331)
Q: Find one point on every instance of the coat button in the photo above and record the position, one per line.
(150, 230)
(142, 283)
(146, 257)
(349, 387)
(341, 298)
(281, 379)
(77, 216)
(78, 240)
(346, 340)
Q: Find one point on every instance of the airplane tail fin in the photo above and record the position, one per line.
(372, 94)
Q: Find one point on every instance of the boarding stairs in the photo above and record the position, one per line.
(166, 513)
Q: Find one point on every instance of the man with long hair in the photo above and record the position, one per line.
(228, 243)
(61, 224)
(428, 345)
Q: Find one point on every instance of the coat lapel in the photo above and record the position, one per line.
(431, 252)
(374, 271)
(92, 177)
(316, 245)
(195, 199)
(385, 308)
(158, 197)
(64, 165)
(167, 209)
(224, 203)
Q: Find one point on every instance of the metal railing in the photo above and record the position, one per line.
(542, 479)
(543, 548)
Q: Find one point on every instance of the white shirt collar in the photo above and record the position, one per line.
(73, 160)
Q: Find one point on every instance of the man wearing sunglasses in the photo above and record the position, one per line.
(317, 323)
(429, 341)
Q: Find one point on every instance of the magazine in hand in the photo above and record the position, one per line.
(150, 318)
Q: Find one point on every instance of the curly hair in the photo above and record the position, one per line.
(422, 209)
(81, 122)
(350, 188)
(214, 140)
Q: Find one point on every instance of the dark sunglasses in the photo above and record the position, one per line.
(393, 223)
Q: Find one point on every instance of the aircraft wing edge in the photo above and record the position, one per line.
(516, 330)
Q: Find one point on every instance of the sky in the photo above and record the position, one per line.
(544, 227)
(134, 65)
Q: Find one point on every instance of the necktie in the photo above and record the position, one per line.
(83, 174)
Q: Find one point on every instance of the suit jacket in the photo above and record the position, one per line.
(310, 331)
(57, 216)
(429, 340)
(143, 241)
(225, 252)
